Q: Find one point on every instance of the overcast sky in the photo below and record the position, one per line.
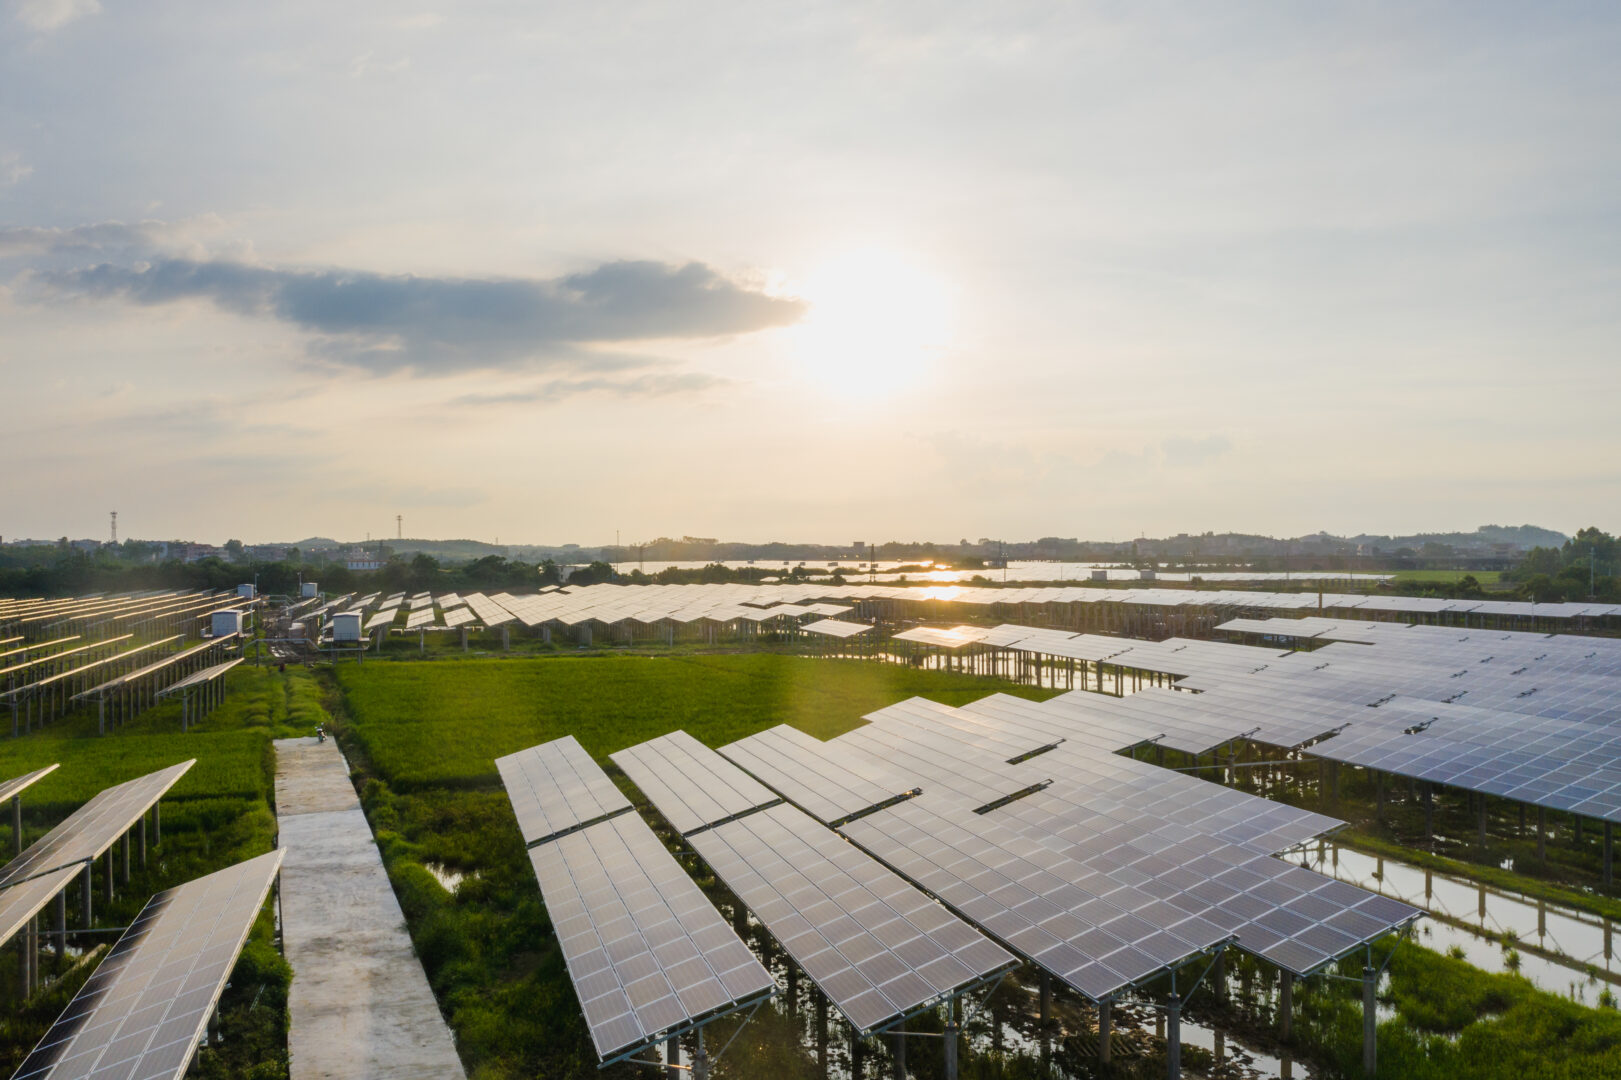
(544, 272)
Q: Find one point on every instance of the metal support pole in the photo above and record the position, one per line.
(1370, 1019)
(88, 892)
(1105, 1031)
(1173, 1038)
(700, 1062)
(1046, 999)
(1481, 821)
(143, 841)
(61, 924)
(17, 824)
(899, 1040)
(157, 824)
(125, 852)
(1609, 857)
(672, 1058)
(1542, 833)
(1429, 811)
(1286, 1004)
(950, 1042)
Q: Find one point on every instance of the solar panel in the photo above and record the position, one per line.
(458, 617)
(836, 628)
(17, 784)
(692, 786)
(824, 779)
(141, 1014)
(556, 788)
(874, 944)
(419, 618)
(94, 827)
(22, 902)
(647, 952)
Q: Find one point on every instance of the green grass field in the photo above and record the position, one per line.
(218, 814)
(443, 724)
(1446, 577)
(425, 736)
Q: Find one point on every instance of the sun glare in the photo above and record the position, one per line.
(877, 323)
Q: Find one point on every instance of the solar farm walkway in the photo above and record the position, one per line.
(360, 1004)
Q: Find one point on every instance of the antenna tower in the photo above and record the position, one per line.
(399, 527)
(115, 526)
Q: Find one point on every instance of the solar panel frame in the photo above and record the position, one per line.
(141, 1014)
(693, 787)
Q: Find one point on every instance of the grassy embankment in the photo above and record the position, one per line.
(426, 736)
(218, 814)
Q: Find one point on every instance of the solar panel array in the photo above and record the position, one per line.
(876, 946)
(556, 787)
(141, 1014)
(692, 786)
(820, 778)
(94, 827)
(647, 952)
(873, 943)
(615, 604)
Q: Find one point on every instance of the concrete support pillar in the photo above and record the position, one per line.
(899, 1041)
(1370, 1021)
(672, 1058)
(700, 1061)
(1046, 999)
(1286, 1004)
(1542, 833)
(1173, 1038)
(85, 903)
(109, 875)
(1609, 854)
(61, 925)
(858, 1057)
(157, 824)
(16, 824)
(143, 841)
(1218, 977)
(1429, 811)
(1105, 1031)
(1480, 827)
(949, 1044)
(125, 853)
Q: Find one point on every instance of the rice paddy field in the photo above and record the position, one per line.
(218, 814)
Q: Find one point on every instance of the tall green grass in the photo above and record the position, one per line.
(442, 725)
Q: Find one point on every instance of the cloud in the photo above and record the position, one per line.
(652, 385)
(133, 238)
(48, 15)
(1190, 453)
(13, 170)
(429, 325)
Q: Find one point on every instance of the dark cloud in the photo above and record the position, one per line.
(440, 325)
(652, 385)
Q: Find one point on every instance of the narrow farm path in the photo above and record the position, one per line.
(360, 1005)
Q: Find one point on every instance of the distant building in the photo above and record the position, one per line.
(360, 559)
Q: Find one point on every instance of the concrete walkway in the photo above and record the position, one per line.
(360, 1003)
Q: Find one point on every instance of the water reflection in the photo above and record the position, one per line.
(1560, 949)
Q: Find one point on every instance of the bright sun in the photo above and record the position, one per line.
(877, 323)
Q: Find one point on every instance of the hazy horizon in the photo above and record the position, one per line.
(931, 271)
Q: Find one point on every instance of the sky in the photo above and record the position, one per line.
(547, 273)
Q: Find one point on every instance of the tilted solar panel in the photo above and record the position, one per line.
(556, 787)
(873, 943)
(647, 952)
(140, 1015)
(692, 786)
